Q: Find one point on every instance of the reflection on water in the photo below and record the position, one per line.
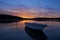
(16, 30)
(36, 34)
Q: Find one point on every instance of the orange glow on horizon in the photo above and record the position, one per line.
(33, 14)
(26, 14)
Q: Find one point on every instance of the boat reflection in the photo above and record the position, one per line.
(35, 34)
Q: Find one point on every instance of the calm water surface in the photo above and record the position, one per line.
(16, 31)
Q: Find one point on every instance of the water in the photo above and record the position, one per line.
(17, 31)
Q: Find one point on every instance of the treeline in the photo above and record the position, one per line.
(47, 19)
(4, 16)
(9, 18)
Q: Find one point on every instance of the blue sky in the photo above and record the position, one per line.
(43, 5)
(48, 4)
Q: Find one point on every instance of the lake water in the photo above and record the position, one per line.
(16, 31)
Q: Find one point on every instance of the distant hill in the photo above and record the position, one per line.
(43, 19)
(9, 18)
(47, 19)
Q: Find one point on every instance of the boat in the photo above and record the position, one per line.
(35, 26)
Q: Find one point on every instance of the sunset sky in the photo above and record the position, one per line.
(30, 8)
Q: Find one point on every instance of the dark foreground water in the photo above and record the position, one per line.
(18, 31)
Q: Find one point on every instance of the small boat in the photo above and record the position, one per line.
(35, 26)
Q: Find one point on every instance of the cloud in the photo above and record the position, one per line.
(32, 12)
(7, 12)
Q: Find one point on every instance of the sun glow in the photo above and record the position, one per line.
(26, 14)
(26, 21)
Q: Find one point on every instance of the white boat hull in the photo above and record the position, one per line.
(35, 26)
